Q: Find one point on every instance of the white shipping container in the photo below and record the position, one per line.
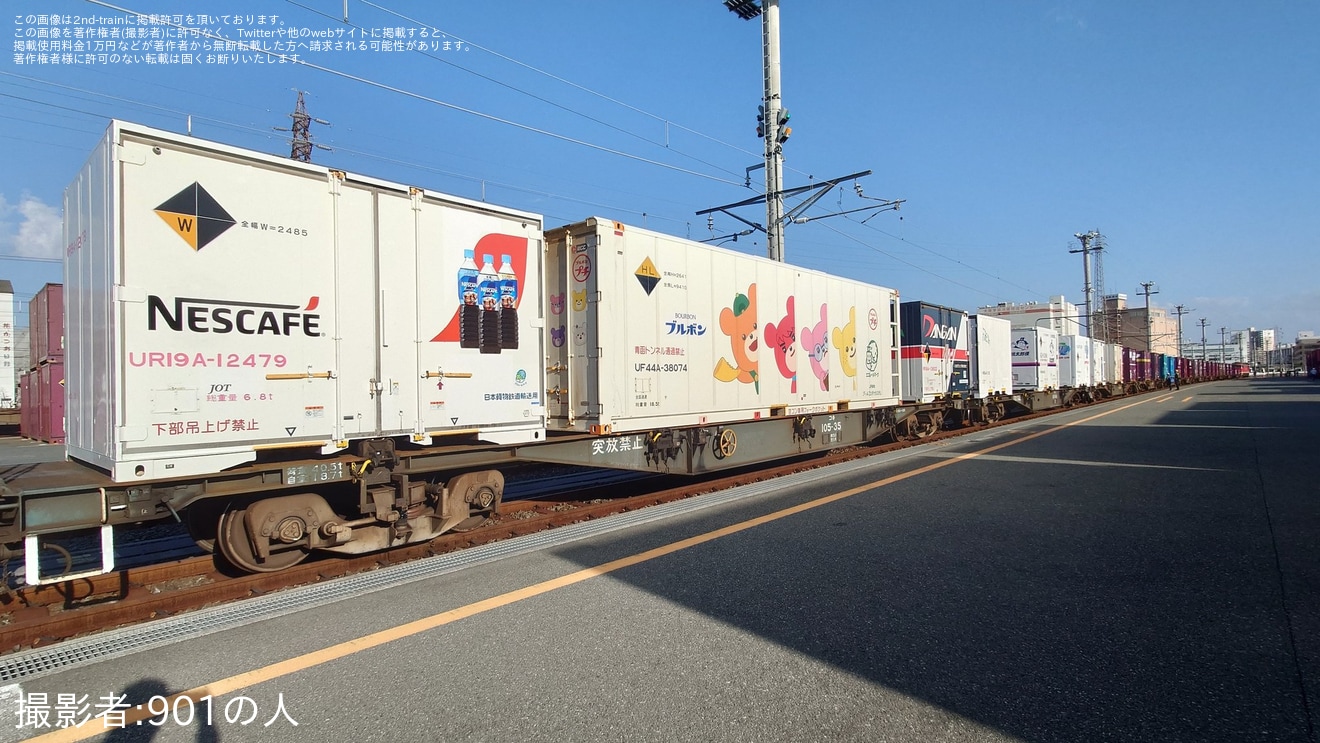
(1098, 362)
(648, 330)
(1074, 361)
(1113, 363)
(222, 301)
(1035, 359)
(992, 356)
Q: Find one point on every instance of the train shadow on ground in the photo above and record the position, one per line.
(1156, 603)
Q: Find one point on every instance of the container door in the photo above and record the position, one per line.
(227, 307)
(398, 284)
(356, 318)
(558, 326)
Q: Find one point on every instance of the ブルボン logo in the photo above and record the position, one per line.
(195, 216)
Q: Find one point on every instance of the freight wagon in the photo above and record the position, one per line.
(291, 358)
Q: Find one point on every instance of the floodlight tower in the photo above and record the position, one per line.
(772, 119)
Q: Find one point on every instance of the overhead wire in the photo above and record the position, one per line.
(572, 84)
(936, 253)
(630, 107)
(527, 93)
(434, 101)
(891, 256)
(429, 99)
(339, 148)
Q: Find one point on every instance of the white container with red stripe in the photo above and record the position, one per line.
(935, 364)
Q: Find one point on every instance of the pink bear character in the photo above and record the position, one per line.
(816, 341)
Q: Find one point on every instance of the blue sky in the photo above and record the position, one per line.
(1184, 131)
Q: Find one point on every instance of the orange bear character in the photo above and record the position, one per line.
(739, 323)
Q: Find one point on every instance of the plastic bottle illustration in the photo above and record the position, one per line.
(508, 304)
(488, 293)
(469, 311)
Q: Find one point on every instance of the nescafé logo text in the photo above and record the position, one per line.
(222, 316)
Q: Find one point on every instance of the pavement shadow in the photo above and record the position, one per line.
(1053, 602)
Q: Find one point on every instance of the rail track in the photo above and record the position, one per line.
(33, 616)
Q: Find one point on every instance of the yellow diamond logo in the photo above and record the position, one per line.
(195, 216)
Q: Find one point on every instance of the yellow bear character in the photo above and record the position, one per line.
(845, 339)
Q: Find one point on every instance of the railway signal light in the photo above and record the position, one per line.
(784, 134)
(760, 122)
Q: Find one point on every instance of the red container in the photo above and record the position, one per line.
(46, 328)
(50, 402)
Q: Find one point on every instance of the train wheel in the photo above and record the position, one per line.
(235, 544)
(926, 425)
(202, 520)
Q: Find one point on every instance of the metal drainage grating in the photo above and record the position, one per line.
(128, 640)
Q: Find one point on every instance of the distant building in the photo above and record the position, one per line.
(1233, 347)
(1057, 313)
(1133, 327)
(8, 342)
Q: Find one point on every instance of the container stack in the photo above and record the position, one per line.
(42, 387)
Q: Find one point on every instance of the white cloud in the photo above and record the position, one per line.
(1067, 14)
(30, 228)
(42, 230)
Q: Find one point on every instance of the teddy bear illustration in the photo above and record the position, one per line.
(845, 339)
(783, 340)
(817, 344)
(739, 323)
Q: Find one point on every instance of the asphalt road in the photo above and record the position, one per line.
(1144, 570)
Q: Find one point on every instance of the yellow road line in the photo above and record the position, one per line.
(1185, 399)
(302, 662)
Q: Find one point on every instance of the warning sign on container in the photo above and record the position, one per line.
(648, 276)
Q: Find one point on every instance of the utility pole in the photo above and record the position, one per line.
(1223, 345)
(1180, 310)
(1147, 289)
(1203, 323)
(772, 125)
(772, 119)
(1085, 250)
(777, 131)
